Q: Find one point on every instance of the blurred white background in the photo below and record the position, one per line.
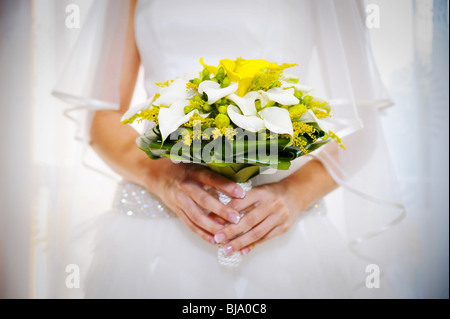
(40, 159)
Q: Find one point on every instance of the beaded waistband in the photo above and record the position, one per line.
(134, 201)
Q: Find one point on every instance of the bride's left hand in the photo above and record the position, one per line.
(273, 208)
(270, 211)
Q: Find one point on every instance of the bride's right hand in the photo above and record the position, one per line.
(181, 187)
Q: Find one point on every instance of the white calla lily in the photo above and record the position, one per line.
(214, 91)
(250, 123)
(277, 120)
(174, 92)
(170, 118)
(279, 95)
(310, 117)
(299, 87)
(136, 109)
(246, 103)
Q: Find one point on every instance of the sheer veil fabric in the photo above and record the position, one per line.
(329, 41)
(96, 59)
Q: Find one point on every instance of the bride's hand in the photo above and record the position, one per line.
(273, 208)
(182, 188)
(270, 211)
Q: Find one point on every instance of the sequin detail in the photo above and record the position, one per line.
(134, 201)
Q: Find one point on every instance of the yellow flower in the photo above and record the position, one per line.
(197, 134)
(320, 108)
(216, 133)
(148, 114)
(197, 119)
(243, 71)
(164, 84)
(337, 139)
(297, 111)
(210, 68)
(191, 86)
(265, 81)
(187, 139)
(230, 133)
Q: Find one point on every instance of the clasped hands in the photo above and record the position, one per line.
(182, 187)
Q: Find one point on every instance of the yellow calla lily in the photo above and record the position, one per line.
(210, 68)
(243, 71)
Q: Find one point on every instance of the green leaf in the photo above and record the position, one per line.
(226, 171)
(316, 145)
(246, 173)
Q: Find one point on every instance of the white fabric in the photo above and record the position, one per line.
(96, 64)
(329, 42)
(162, 258)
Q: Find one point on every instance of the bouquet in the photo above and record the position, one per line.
(239, 118)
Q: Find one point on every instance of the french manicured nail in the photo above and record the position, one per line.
(239, 192)
(227, 249)
(245, 251)
(234, 217)
(212, 241)
(219, 237)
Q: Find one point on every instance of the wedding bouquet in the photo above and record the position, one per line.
(239, 118)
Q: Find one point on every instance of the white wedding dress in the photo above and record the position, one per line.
(142, 250)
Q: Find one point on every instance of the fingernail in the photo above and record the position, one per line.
(239, 192)
(245, 251)
(219, 237)
(227, 249)
(234, 217)
(212, 241)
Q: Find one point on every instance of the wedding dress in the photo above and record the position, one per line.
(142, 250)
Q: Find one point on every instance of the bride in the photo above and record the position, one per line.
(157, 242)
